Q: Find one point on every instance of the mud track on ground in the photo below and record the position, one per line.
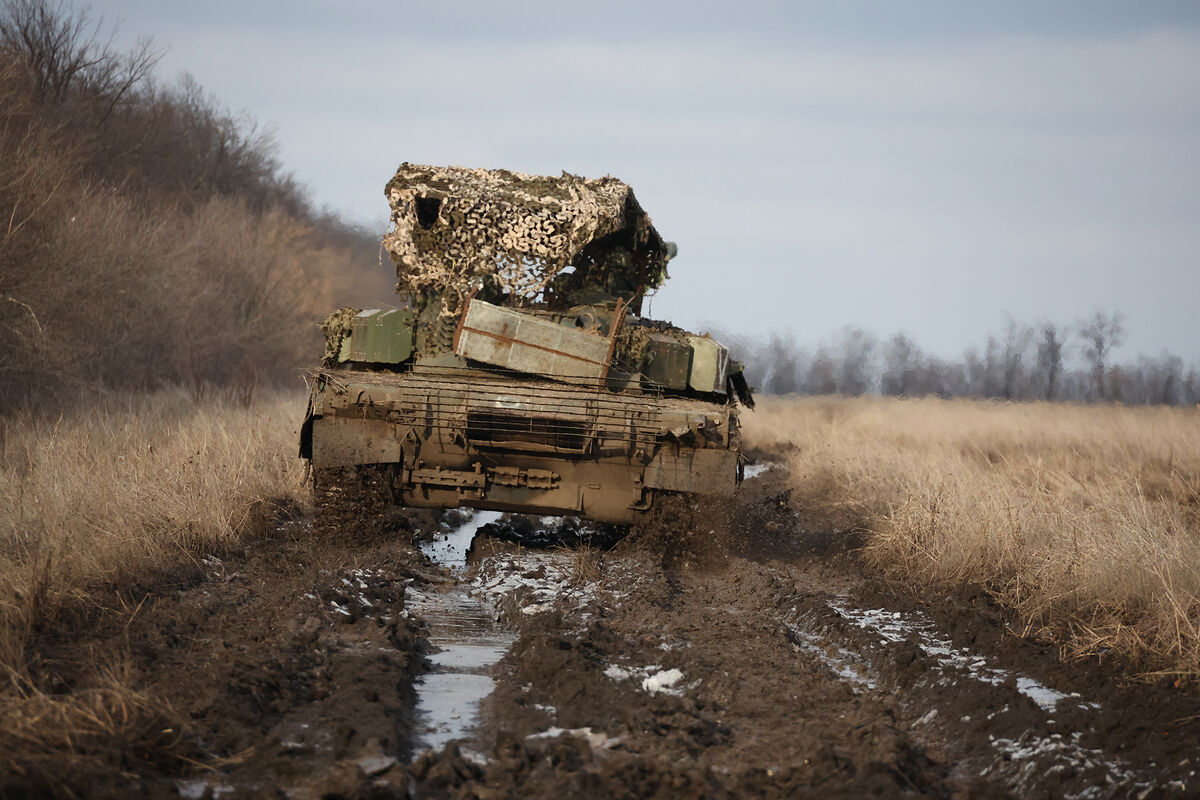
(768, 665)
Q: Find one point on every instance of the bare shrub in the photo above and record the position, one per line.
(134, 299)
(150, 237)
(1082, 519)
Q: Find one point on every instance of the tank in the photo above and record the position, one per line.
(516, 372)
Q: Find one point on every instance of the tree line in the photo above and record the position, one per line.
(1045, 361)
(149, 235)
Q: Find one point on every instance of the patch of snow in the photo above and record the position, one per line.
(927, 718)
(1036, 755)
(541, 579)
(894, 627)
(841, 661)
(754, 470)
(661, 681)
(196, 789)
(474, 756)
(652, 679)
(376, 765)
(595, 738)
(191, 790)
(617, 673)
(1046, 698)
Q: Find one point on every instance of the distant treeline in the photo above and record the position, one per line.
(150, 236)
(1047, 361)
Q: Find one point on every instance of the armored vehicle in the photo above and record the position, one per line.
(516, 372)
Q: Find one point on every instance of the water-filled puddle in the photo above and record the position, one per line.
(450, 548)
(467, 641)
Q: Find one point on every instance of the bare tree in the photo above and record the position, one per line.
(821, 377)
(66, 55)
(1050, 356)
(1016, 342)
(1101, 334)
(993, 368)
(902, 364)
(857, 350)
(1191, 386)
(1162, 378)
(975, 371)
(782, 369)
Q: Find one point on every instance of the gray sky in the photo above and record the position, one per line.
(917, 166)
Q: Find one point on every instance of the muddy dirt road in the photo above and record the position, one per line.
(519, 658)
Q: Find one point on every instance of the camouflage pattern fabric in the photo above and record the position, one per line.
(455, 228)
(337, 327)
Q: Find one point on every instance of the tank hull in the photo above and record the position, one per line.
(491, 440)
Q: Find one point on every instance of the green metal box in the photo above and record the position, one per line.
(381, 337)
(670, 361)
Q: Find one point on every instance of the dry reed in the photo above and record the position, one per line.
(1084, 520)
(103, 499)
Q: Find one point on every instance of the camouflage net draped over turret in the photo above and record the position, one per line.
(455, 228)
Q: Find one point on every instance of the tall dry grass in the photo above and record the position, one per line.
(106, 498)
(1084, 520)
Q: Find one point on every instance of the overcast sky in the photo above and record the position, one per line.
(918, 166)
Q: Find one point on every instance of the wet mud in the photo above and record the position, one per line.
(493, 656)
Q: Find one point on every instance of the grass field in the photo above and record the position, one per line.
(102, 500)
(1083, 520)
(107, 496)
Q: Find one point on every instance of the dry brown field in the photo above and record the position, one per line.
(96, 502)
(941, 598)
(1083, 520)
(101, 497)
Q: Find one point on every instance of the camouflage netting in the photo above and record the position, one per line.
(337, 327)
(455, 228)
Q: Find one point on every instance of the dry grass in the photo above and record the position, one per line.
(100, 500)
(587, 564)
(1085, 520)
